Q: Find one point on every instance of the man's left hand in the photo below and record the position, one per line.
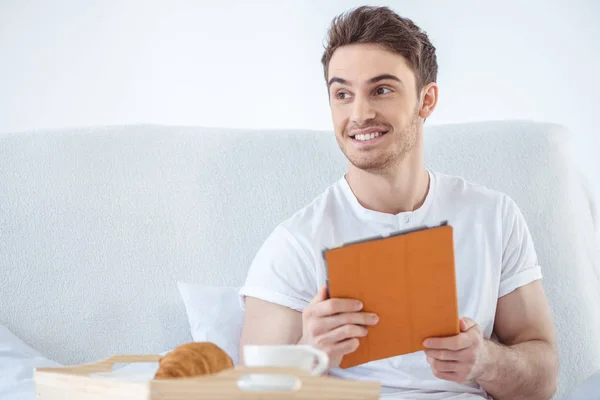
(460, 358)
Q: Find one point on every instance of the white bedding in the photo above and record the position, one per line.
(17, 361)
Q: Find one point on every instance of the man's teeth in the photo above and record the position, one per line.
(368, 136)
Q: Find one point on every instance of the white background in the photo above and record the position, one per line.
(257, 64)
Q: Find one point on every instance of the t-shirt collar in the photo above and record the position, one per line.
(411, 217)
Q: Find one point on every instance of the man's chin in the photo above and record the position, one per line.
(370, 165)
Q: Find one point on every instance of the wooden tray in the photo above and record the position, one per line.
(75, 383)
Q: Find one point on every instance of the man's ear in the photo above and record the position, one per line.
(429, 96)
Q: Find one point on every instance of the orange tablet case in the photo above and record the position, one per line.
(408, 279)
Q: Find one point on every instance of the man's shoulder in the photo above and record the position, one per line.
(458, 195)
(320, 210)
(455, 188)
(301, 232)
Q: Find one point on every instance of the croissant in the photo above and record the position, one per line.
(193, 359)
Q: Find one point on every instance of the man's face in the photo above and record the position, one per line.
(374, 105)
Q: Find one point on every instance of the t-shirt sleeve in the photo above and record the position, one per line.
(519, 259)
(281, 273)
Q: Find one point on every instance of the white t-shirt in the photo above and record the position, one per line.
(494, 255)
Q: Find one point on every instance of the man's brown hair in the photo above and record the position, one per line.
(384, 27)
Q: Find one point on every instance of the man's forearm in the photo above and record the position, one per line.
(526, 370)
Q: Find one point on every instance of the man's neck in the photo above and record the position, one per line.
(402, 189)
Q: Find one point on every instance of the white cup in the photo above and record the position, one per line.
(303, 357)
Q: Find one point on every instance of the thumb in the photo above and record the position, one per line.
(466, 324)
(320, 296)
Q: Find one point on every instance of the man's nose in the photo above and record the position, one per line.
(362, 111)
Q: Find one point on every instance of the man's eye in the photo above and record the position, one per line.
(383, 90)
(342, 95)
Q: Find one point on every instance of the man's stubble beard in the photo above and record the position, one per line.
(404, 143)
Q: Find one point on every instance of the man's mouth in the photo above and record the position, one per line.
(363, 137)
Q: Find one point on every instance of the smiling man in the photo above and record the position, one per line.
(380, 70)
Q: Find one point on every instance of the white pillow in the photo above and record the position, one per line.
(17, 362)
(214, 314)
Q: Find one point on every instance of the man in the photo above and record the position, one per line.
(380, 71)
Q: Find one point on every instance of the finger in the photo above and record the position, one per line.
(443, 366)
(335, 306)
(448, 355)
(356, 318)
(448, 376)
(320, 296)
(456, 342)
(344, 347)
(466, 324)
(340, 334)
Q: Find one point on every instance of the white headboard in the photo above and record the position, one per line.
(97, 225)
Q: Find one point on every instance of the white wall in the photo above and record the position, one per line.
(71, 63)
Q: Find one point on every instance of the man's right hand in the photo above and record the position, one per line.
(334, 325)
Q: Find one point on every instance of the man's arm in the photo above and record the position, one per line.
(525, 365)
(269, 323)
(331, 325)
